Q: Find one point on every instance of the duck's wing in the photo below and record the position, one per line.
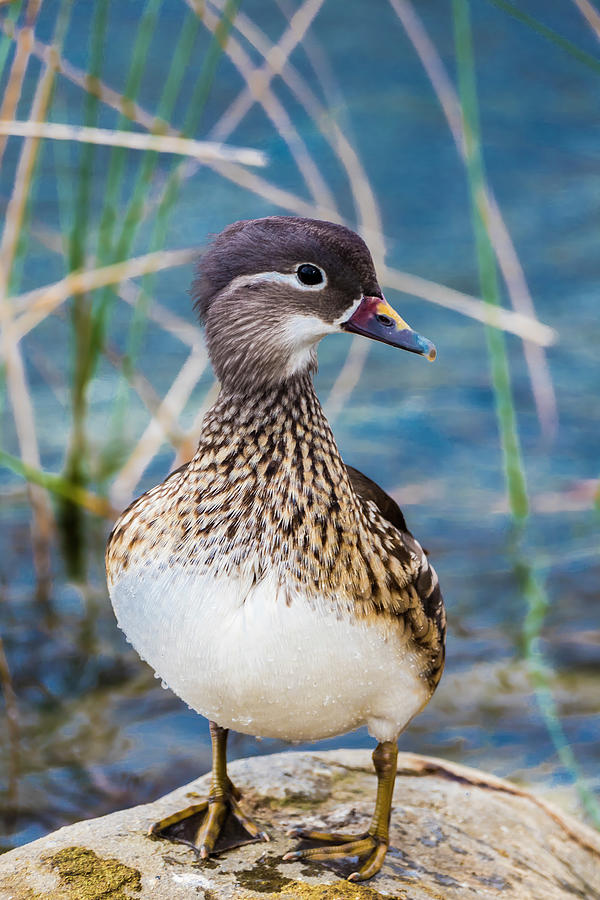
(367, 489)
(425, 581)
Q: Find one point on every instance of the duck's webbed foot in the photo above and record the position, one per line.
(216, 824)
(372, 843)
(346, 845)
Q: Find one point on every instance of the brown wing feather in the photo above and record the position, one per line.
(367, 489)
(426, 582)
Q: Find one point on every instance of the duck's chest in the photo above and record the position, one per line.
(267, 658)
(239, 581)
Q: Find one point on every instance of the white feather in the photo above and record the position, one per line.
(265, 660)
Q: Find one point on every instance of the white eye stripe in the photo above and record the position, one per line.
(290, 278)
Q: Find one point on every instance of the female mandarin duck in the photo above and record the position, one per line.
(275, 589)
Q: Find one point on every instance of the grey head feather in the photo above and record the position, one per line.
(276, 243)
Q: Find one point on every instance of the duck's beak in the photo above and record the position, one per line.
(376, 319)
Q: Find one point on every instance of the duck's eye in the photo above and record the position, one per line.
(309, 274)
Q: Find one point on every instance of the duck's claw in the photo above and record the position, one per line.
(373, 864)
(345, 846)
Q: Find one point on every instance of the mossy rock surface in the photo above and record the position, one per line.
(456, 833)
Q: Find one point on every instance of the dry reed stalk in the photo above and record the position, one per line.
(369, 218)
(506, 255)
(107, 95)
(39, 303)
(48, 237)
(278, 196)
(258, 81)
(16, 378)
(140, 384)
(260, 78)
(160, 426)
(169, 321)
(41, 359)
(371, 228)
(590, 14)
(204, 151)
(520, 324)
(129, 292)
(446, 297)
(274, 110)
(134, 112)
(368, 214)
(12, 92)
(164, 425)
(164, 421)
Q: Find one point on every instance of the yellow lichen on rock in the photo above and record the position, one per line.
(86, 876)
(344, 890)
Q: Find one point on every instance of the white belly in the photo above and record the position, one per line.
(247, 659)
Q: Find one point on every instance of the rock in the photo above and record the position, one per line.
(456, 833)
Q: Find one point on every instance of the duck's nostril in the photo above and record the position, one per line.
(384, 320)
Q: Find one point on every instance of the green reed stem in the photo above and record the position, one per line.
(81, 218)
(116, 171)
(535, 596)
(90, 316)
(132, 220)
(81, 309)
(135, 211)
(541, 675)
(488, 275)
(76, 467)
(139, 56)
(179, 68)
(57, 484)
(549, 34)
(6, 42)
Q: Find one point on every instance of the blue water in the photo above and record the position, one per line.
(96, 730)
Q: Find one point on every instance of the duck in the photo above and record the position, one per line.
(275, 589)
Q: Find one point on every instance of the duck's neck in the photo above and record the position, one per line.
(275, 410)
(273, 481)
(278, 437)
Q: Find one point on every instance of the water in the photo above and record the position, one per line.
(96, 731)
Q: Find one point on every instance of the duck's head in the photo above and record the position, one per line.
(269, 289)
